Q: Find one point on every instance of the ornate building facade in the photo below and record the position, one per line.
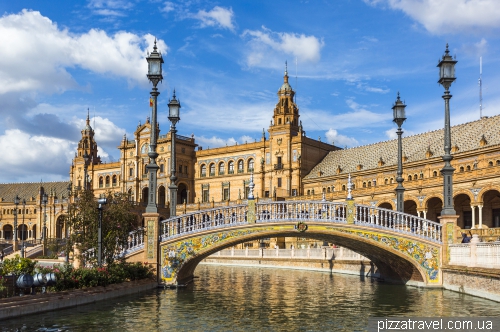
(286, 164)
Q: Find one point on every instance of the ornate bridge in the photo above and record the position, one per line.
(405, 248)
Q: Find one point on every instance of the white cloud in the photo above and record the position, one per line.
(333, 137)
(217, 17)
(216, 142)
(44, 70)
(265, 44)
(26, 157)
(168, 7)
(448, 16)
(110, 7)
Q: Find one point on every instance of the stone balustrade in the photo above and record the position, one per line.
(475, 254)
(308, 253)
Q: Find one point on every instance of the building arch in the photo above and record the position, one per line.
(182, 193)
(203, 170)
(230, 167)
(480, 196)
(241, 167)
(411, 205)
(462, 205)
(463, 192)
(221, 168)
(161, 195)
(250, 164)
(434, 206)
(386, 204)
(212, 169)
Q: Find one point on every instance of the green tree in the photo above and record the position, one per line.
(117, 222)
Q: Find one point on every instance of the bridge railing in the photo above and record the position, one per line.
(398, 222)
(135, 242)
(295, 211)
(204, 220)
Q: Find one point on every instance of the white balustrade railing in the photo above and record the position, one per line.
(135, 242)
(476, 254)
(295, 211)
(308, 253)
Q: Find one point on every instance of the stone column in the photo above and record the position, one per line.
(480, 216)
(473, 207)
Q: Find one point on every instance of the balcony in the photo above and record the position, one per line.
(278, 166)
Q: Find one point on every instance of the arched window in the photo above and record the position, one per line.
(309, 192)
(230, 167)
(369, 184)
(409, 177)
(468, 168)
(240, 166)
(415, 176)
(364, 184)
(203, 170)
(461, 168)
(343, 187)
(435, 173)
(490, 163)
(328, 189)
(250, 165)
(386, 181)
(212, 169)
(498, 162)
(222, 168)
(107, 181)
(144, 148)
(114, 181)
(101, 182)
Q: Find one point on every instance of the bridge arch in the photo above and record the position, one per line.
(405, 248)
(392, 265)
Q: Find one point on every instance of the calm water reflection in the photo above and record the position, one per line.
(255, 299)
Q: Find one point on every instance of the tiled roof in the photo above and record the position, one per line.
(28, 190)
(465, 136)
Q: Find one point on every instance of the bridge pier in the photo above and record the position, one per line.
(449, 236)
(152, 248)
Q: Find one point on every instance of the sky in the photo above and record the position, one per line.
(347, 61)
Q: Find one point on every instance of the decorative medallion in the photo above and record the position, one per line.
(301, 226)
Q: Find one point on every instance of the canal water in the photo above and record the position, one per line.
(228, 298)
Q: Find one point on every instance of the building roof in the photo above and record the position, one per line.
(466, 137)
(8, 191)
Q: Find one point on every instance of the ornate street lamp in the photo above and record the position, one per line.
(399, 114)
(174, 107)
(23, 232)
(102, 202)
(155, 76)
(14, 235)
(44, 230)
(446, 77)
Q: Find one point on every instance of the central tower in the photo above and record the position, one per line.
(286, 112)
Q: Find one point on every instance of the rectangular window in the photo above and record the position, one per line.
(225, 194)
(294, 192)
(205, 196)
(294, 155)
(279, 182)
(180, 168)
(161, 168)
(268, 158)
(130, 171)
(266, 193)
(185, 169)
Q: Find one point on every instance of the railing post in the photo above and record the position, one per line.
(246, 252)
(232, 251)
(293, 252)
(261, 252)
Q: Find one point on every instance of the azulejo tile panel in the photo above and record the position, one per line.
(425, 255)
(175, 254)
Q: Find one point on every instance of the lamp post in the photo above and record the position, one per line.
(23, 232)
(67, 223)
(14, 235)
(102, 202)
(446, 77)
(155, 61)
(174, 107)
(398, 110)
(44, 230)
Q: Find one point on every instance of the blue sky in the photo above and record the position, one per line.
(347, 59)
